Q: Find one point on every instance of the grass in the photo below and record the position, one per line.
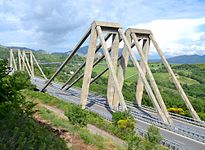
(84, 134)
(93, 118)
(55, 120)
(186, 80)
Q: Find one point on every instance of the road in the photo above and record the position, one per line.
(183, 135)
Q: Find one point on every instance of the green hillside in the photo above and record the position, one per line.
(4, 52)
(191, 77)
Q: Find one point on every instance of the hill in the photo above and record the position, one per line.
(59, 56)
(184, 59)
(187, 59)
(21, 48)
(4, 52)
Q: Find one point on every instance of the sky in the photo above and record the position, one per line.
(56, 26)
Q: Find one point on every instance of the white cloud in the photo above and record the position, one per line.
(177, 36)
(54, 26)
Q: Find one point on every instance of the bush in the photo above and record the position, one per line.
(177, 110)
(116, 116)
(134, 142)
(126, 124)
(77, 115)
(21, 80)
(10, 98)
(153, 135)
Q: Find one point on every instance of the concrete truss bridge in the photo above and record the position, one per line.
(179, 132)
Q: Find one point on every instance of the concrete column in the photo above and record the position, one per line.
(140, 85)
(152, 80)
(122, 70)
(176, 82)
(23, 61)
(10, 59)
(31, 63)
(39, 67)
(24, 65)
(27, 63)
(141, 73)
(114, 53)
(111, 68)
(88, 67)
(13, 60)
(19, 60)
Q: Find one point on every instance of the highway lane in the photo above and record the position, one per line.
(73, 94)
(180, 126)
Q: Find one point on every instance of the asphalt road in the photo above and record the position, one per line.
(183, 135)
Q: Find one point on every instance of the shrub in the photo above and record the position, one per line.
(77, 115)
(116, 116)
(134, 142)
(202, 116)
(153, 135)
(177, 110)
(126, 124)
(21, 80)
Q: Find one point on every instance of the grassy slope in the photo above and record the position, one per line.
(81, 131)
(88, 138)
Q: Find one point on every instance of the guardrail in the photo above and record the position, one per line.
(171, 144)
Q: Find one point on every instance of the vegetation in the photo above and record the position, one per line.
(17, 128)
(122, 126)
(4, 52)
(72, 126)
(191, 77)
(15, 110)
(154, 138)
(74, 129)
(76, 115)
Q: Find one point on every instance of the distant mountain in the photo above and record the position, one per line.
(83, 51)
(26, 48)
(18, 47)
(184, 59)
(187, 59)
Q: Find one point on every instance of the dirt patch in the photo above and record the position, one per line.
(54, 109)
(72, 141)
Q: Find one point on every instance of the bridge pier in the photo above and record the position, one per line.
(111, 88)
(140, 85)
(88, 67)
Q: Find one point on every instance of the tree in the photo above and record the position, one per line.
(18, 130)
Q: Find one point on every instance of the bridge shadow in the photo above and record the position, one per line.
(105, 105)
(108, 108)
(141, 110)
(90, 104)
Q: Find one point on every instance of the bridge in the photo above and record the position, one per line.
(179, 132)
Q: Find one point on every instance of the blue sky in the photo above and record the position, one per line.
(53, 25)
